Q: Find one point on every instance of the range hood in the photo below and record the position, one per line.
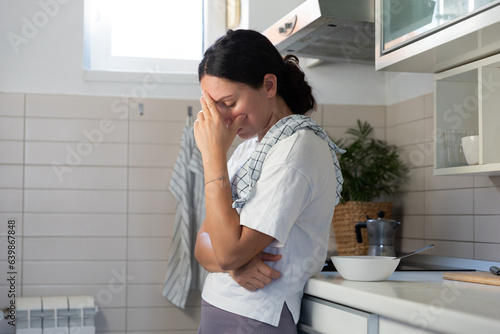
(334, 30)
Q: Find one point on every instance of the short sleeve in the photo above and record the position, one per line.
(278, 198)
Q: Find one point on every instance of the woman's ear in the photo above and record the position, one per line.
(270, 84)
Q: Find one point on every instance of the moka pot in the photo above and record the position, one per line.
(381, 234)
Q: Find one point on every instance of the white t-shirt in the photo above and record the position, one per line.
(293, 201)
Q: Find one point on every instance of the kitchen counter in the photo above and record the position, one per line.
(417, 298)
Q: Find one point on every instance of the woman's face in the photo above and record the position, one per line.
(234, 98)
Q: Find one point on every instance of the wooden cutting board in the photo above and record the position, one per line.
(482, 277)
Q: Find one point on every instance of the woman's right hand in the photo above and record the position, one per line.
(213, 136)
(256, 274)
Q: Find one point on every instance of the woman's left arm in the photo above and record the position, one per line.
(252, 276)
(234, 245)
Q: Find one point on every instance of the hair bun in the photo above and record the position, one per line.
(291, 59)
(296, 91)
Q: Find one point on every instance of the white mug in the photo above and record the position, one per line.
(470, 145)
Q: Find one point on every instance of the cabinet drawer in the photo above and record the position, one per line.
(320, 316)
(389, 326)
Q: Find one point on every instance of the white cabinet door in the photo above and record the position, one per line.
(320, 316)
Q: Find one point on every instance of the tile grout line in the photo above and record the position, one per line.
(23, 195)
(127, 216)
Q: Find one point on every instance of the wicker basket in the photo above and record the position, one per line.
(345, 218)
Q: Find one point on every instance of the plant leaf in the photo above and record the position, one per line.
(370, 167)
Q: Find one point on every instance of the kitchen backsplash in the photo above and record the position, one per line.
(460, 214)
(87, 184)
(86, 181)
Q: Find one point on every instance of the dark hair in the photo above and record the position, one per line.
(246, 56)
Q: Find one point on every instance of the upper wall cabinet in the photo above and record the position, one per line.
(434, 35)
(467, 118)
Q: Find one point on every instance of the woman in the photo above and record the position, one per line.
(268, 210)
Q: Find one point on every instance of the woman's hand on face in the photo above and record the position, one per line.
(211, 133)
(256, 274)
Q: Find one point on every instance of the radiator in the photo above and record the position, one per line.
(55, 315)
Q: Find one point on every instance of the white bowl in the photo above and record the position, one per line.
(365, 268)
(470, 145)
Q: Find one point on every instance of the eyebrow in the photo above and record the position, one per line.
(223, 98)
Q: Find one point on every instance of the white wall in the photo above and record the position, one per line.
(405, 86)
(48, 59)
(51, 59)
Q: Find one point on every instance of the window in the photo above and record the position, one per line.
(165, 36)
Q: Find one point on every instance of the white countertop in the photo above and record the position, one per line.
(418, 298)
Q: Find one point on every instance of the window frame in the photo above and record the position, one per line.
(97, 51)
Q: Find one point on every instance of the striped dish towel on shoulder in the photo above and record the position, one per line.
(245, 178)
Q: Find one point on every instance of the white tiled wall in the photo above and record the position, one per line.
(460, 214)
(86, 179)
(87, 183)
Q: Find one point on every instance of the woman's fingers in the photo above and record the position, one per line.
(209, 104)
(235, 125)
(204, 106)
(200, 115)
(253, 283)
(269, 256)
(255, 275)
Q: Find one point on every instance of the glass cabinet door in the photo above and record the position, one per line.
(407, 20)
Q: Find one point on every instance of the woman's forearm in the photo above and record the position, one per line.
(232, 244)
(252, 276)
(204, 253)
(223, 223)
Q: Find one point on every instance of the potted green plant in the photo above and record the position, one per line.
(371, 169)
